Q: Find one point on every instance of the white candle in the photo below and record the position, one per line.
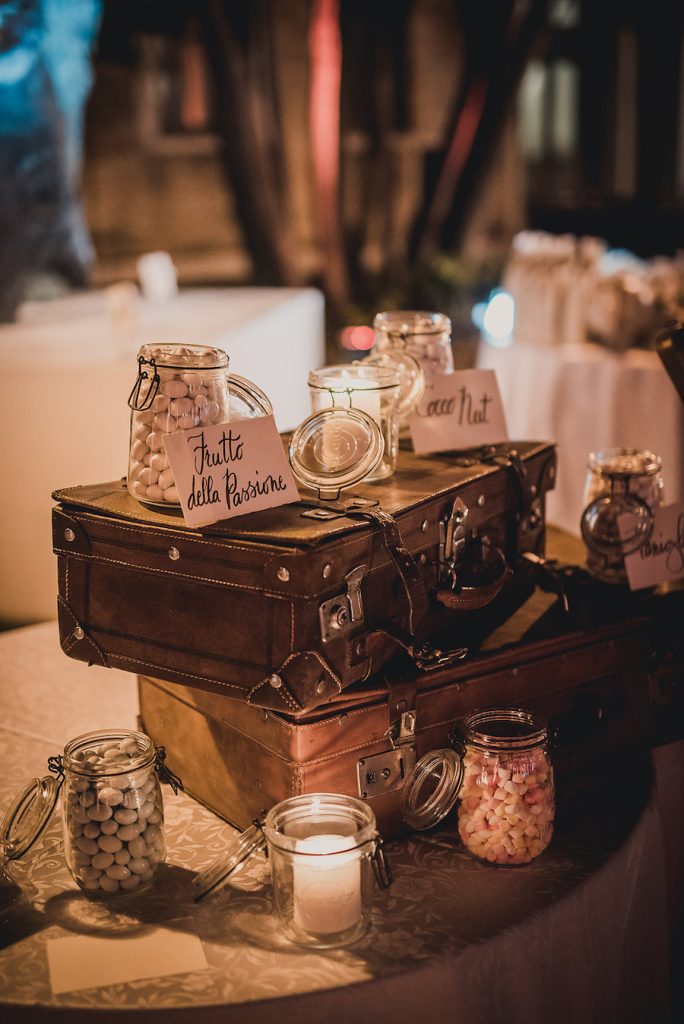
(327, 887)
(362, 393)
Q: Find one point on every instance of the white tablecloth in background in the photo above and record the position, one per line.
(587, 398)
(67, 371)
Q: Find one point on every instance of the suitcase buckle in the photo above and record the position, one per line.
(452, 540)
(340, 615)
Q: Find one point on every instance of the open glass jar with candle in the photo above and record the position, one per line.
(373, 390)
(324, 850)
(501, 772)
(619, 481)
(112, 811)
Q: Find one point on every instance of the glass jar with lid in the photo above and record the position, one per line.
(323, 850)
(373, 390)
(112, 811)
(180, 387)
(500, 770)
(619, 481)
(426, 336)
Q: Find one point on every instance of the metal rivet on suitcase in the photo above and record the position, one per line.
(424, 526)
(174, 554)
(481, 500)
(275, 681)
(321, 687)
(327, 569)
(69, 534)
(423, 559)
(78, 633)
(283, 574)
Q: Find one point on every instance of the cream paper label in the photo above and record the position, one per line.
(229, 469)
(458, 410)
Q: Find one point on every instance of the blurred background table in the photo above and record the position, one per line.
(69, 366)
(585, 398)
(581, 934)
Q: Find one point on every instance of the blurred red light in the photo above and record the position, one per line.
(358, 338)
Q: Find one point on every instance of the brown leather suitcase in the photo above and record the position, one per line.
(288, 607)
(609, 676)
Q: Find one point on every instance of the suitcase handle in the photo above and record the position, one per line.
(470, 598)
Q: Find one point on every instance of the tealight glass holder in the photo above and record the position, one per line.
(321, 848)
(373, 390)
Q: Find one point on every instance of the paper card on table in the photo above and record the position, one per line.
(458, 410)
(89, 961)
(661, 558)
(229, 469)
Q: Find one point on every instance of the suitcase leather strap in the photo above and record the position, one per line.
(407, 567)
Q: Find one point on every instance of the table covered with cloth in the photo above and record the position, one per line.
(581, 934)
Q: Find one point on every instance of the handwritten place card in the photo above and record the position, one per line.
(662, 557)
(229, 469)
(458, 410)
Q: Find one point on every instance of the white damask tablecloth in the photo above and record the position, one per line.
(581, 935)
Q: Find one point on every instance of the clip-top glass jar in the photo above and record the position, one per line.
(373, 390)
(502, 774)
(324, 850)
(619, 481)
(178, 387)
(426, 336)
(112, 811)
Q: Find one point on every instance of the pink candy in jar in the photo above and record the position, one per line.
(502, 776)
(507, 803)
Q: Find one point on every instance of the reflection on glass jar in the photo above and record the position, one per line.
(321, 848)
(373, 390)
(113, 812)
(507, 801)
(178, 387)
(619, 481)
(426, 336)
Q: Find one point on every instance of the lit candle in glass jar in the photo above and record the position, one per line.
(327, 884)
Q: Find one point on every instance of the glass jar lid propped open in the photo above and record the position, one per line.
(432, 788)
(411, 376)
(334, 449)
(28, 816)
(246, 400)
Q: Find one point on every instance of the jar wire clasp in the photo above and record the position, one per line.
(164, 772)
(141, 397)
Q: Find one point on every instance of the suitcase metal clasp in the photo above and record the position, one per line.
(340, 615)
(452, 540)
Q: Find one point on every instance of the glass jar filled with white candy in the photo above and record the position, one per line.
(112, 811)
(178, 387)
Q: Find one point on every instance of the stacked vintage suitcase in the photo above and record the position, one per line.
(326, 647)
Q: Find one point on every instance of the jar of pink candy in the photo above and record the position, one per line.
(501, 773)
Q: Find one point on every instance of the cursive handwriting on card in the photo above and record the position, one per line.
(229, 469)
(661, 557)
(459, 410)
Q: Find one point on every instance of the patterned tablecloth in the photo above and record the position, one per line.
(579, 935)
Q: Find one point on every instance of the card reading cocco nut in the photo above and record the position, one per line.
(229, 469)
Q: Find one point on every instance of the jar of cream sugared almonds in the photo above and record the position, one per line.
(112, 811)
(178, 387)
(500, 771)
